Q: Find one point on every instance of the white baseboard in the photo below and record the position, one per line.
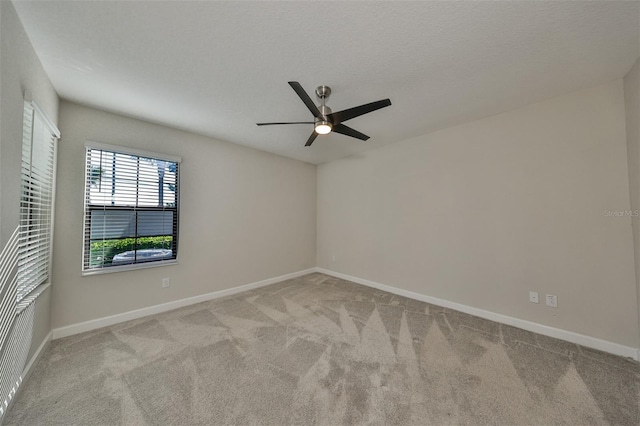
(72, 329)
(36, 356)
(569, 336)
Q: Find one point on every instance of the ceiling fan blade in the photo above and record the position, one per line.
(306, 99)
(348, 131)
(289, 122)
(312, 138)
(348, 114)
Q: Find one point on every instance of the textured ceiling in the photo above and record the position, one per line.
(217, 68)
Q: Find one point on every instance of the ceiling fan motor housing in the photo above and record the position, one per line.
(323, 125)
(324, 110)
(323, 93)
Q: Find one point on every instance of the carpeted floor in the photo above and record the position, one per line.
(319, 350)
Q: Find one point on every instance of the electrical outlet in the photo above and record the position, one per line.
(333, 258)
(166, 282)
(552, 300)
(533, 297)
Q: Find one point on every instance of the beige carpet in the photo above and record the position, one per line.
(319, 350)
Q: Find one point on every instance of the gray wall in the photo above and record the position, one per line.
(632, 108)
(245, 216)
(20, 70)
(481, 213)
(41, 321)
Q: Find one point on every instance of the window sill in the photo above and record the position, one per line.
(124, 268)
(31, 297)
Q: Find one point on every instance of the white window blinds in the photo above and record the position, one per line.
(131, 208)
(36, 204)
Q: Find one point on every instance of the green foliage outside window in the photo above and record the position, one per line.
(102, 251)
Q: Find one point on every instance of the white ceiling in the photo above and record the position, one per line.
(217, 68)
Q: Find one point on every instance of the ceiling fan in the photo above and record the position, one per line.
(325, 121)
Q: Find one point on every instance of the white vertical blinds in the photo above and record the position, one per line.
(131, 208)
(36, 206)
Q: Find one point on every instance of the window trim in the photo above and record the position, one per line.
(130, 267)
(133, 266)
(54, 129)
(131, 151)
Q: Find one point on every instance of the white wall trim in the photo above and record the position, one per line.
(156, 309)
(569, 336)
(36, 356)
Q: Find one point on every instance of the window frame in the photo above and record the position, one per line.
(87, 209)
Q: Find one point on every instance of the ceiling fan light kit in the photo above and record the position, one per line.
(326, 121)
(323, 127)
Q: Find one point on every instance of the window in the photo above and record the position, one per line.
(131, 208)
(36, 202)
